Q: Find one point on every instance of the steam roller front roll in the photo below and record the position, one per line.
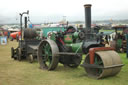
(106, 63)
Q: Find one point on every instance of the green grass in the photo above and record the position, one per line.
(13, 72)
(102, 30)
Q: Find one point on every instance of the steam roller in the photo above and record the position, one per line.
(68, 47)
(100, 61)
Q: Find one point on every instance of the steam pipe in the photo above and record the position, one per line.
(21, 15)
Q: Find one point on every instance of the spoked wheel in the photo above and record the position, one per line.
(76, 60)
(108, 62)
(46, 55)
(94, 72)
(19, 54)
(30, 58)
(12, 52)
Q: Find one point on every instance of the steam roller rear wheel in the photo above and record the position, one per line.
(109, 60)
(30, 58)
(12, 52)
(19, 54)
(46, 54)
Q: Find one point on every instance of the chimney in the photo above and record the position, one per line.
(25, 22)
(88, 16)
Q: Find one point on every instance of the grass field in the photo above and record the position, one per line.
(102, 30)
(13, 72)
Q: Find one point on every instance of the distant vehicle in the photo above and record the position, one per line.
(119, 42)
(15, 35)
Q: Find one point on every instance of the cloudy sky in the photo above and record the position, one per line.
(54, 10)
